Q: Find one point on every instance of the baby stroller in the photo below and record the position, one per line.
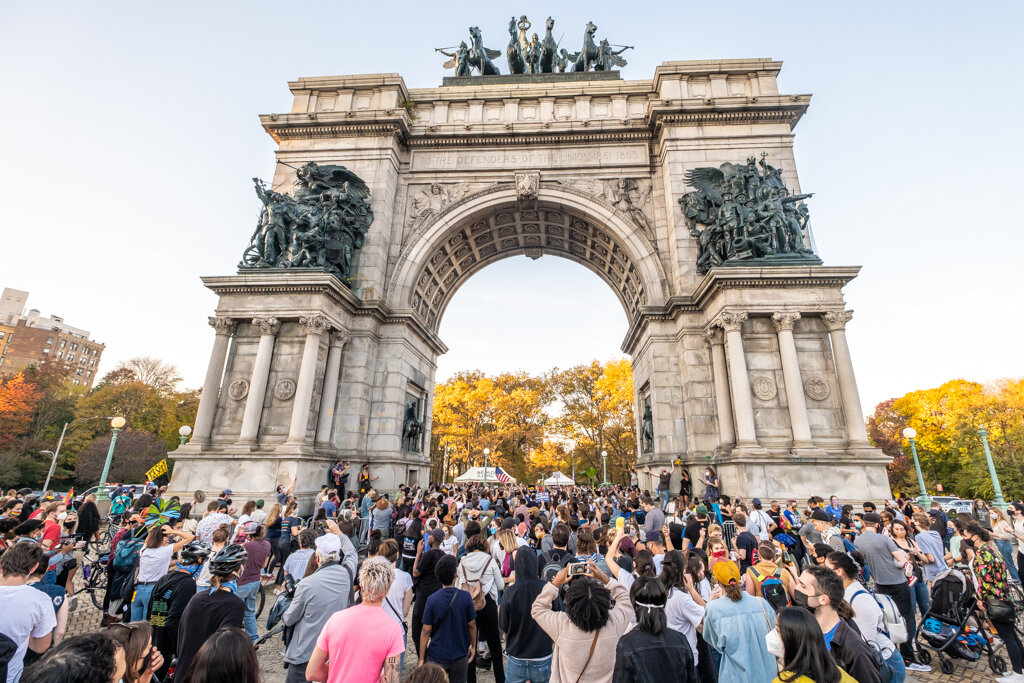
(945, 626)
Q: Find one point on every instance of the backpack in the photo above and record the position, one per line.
(476, 588)
(127, 552)
(552, 564)
(506, 566)
(772, 589)
(895, 626)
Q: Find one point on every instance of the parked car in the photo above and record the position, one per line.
(945, 501)
(958, 506)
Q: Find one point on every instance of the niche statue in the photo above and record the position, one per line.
(412, 428)
(320, 225)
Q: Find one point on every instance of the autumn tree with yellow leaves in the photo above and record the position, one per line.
(947, 419)
(535, 426)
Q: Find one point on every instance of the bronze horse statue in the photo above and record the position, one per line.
(587, 57)
(514, 52)
(547, 49)
(480, 57)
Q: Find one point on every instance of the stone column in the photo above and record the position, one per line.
(224, 327)
(739, 380)
(784, 322)
(723, 401)
(836, 321)
(314, 327)
(329, 394)
(258, 383)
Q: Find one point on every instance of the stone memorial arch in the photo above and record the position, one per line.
(385, 200)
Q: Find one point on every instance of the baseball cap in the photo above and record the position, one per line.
(702, 510)
(226, 492)
(437, 535)
(259, 503)
(726, 572)
(508, 523)
(820, 516)
(756, 501)
(326, 544)
(251, 527)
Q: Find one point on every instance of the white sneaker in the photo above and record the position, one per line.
(1011, 677)
(922, 668)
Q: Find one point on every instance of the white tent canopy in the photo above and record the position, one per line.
(559, 479)
(476, 474)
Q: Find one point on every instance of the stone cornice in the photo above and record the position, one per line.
(320, 125)
(732, 110)
(532, 138)
(315, 283)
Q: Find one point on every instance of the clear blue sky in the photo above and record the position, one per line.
(130, 135)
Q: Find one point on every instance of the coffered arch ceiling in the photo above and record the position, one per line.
(547, 229)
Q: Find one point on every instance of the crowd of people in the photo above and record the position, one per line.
(565, 584)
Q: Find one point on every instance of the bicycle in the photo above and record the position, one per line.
(1017, 597)
(102, 545)
(94, 574)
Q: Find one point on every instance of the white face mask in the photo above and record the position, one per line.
(61, 516)
(774, 642)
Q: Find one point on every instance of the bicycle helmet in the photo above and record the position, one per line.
(195, 552)
(228, 560)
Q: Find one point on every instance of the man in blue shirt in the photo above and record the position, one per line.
(449, 625)
(330, 504)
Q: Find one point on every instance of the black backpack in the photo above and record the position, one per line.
(553, 562)
(772, 589)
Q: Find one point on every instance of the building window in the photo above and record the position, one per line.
(79, 371)
(49, 340)
(46, 351)
(92, 363)
(60, 354)
(88, 373)
(2, 334)
(63, 343)
(81, 361)
(94, 352)
(74, 347)
(71, 358)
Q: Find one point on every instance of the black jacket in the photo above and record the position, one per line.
(525, 638)
(854, 655)
(641, 656)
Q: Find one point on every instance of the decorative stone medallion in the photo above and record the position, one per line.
(816, 388)
(239, 389)
(284, 389)
(764, 388)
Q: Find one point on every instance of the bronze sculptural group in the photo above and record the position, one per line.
(528, 54)
(320, 226)
(745, 214)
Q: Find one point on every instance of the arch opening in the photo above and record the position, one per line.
(508, 230)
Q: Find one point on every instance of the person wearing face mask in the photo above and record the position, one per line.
(796, 642)
(981, 515)
(820, 591)
(171, 595)
(866, 613)
(1002, 534)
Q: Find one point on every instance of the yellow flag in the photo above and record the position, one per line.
(157, 470)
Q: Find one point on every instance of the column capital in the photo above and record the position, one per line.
(730, 321)
(836, 320)
(268, 326)
(339, 338)
(224, 326)
(785, 320)
(314, 324)
(713, 336)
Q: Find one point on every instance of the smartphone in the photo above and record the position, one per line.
(577, 568)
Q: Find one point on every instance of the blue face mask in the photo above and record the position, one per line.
(192, 571)
(230, 585)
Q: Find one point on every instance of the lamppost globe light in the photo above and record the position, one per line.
(604, 454)
(185, 430)
(487, 451)
(118, 422)
(909, 433)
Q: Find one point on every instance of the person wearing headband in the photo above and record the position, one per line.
(652, 650)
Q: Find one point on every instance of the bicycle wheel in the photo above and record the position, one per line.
(261, 599)
(1017, 595)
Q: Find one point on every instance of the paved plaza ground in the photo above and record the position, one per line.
(87, 618)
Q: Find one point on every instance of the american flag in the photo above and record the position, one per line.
(501, 475)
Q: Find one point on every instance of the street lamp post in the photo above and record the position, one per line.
(60, 442)
(184, 433)
(487, 452)
(116, 425)
(999, 502)
(604, 467)
(923, 499)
